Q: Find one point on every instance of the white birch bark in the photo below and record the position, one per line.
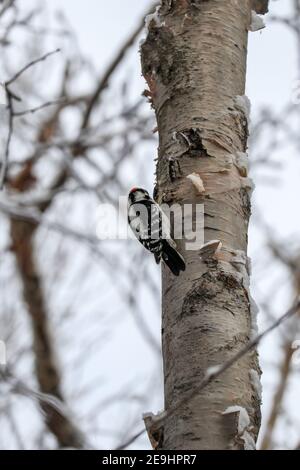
(194, 61)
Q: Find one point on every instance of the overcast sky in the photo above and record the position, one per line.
(101, 28)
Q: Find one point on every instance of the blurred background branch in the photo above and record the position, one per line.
(79, 314)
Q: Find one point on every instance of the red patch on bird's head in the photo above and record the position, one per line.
(133, 190)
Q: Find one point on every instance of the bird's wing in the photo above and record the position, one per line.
(166, 229)
(151, 222)
(159, 217)
(141, 216)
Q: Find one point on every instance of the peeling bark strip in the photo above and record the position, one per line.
(47, 373)
(194, 61)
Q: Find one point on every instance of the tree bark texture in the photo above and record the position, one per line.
(194, 61)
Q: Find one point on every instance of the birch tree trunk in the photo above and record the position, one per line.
(194, 61)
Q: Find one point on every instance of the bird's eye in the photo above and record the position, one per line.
(138, 213)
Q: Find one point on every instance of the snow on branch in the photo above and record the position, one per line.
(243, 104)
(153, 17)
(197, 182)
(257, 23)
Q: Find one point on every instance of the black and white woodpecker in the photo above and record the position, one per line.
(151, 227)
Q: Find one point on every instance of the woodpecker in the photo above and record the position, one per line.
(151, 227)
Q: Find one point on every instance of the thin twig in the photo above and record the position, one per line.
(6, 7)
(10, 98)
(104, 80)
(36, 219)
(209, 377)
(4, 163)
(29, 65)
(37, 108)
(55, 404)
(131, 440)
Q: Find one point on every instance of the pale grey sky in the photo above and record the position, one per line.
(272, 75)
(101, 27)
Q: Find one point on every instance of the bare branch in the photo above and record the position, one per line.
(211, 376)
(37, 108)
(103, 82)
(29, 65)
(36, 219)
(4, 163)
(131, 440)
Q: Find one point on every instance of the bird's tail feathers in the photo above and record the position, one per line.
(173, 259)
